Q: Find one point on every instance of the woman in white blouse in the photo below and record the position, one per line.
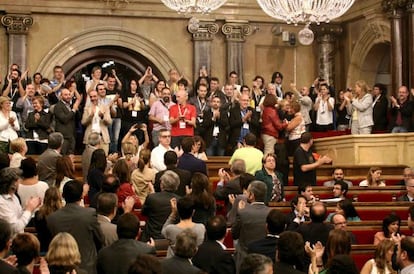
(360, 109)
(9, 125)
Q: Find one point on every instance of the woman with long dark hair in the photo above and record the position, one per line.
(204, 202)
(390, 224)
(125, 190)
(65, 172)
(96, 174)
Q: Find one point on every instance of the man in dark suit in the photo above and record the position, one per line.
(117, 257)
(230, 185)
(211, 256)
(300, 212)
(46, 164)
(170, 160)
(5, 242)
(157, 206)
(65, 117)
(339, 222)
(215, 125)
(188, 161)
(379, 107)
(290, 253)
(250, 224)
(275, 224)
(409, 196)
(316, 230)
(80, 222)
(185, 249)
(243, 119)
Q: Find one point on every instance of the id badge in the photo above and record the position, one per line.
(182, 124)
(246, 126)
(258, 109)
(166, 118)
(134, 113)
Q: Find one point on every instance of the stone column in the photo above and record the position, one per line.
(410, 13)
(203, 33)
(17, 26)
(326, 37)
(395, 11)
(236, 32)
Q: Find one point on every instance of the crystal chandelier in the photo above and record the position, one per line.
(193, 6)
(305, 11)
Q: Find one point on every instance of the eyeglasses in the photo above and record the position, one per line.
(165, 136)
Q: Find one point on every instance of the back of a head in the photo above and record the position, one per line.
(238, 167)
(121, 170)
(8, 177)
(169, 181)
(250, 139)
(63, 251)
(343, 264)
(26, 247)
(107, 203)
(186, 244)
(127, 226)
(145, 264)
(186, 144)
(318, 212)
(258, 189)
(110, 184)
(98, 160)
(72, 191)
(185, 207)
(216, 228)
(338, 243)
(5, 234)
(290, 248)
(305, 138)
(255, 264)
(55, 140)
(4, 160)
(276, 222)
(29, 168)
(170, 158)
(407, 245)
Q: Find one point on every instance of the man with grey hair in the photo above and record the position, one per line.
(10, 208)
(250, 224)
(157, 206)
(94, 140)
(47, 160)
(185, 249)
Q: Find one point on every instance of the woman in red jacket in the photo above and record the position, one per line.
(271, 124)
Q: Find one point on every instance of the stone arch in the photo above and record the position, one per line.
(376, 33)
(106, 36)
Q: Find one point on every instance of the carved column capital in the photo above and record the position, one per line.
(410, 6)
(236, 31)
(205, 30)
(394, 8)
(17, 23)
(327, 32)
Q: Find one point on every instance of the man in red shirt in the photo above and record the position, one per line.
(182, 119)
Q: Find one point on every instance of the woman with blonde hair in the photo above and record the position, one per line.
(9, 125)
(19, 149)
(373, 178)
(360, 109)
(382, 261)
(143, 177)
(63, 255)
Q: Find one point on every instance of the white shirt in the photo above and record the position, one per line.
(36, 190)
(323, 115)
(157, 157)
(12, 212)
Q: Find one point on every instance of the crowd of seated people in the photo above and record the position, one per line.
(145, 154)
